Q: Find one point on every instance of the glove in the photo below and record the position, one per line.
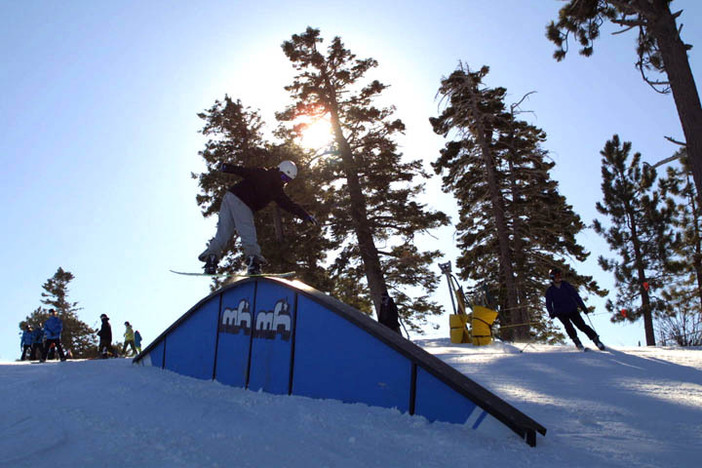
(311, 219)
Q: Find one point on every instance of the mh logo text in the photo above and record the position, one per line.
(268, 323)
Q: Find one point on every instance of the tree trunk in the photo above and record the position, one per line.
(521, 314)
(520, 332)
(645, 299)
(359, 217)
(682, 85)
(697, 256)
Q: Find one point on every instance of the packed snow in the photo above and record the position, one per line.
(627, 407)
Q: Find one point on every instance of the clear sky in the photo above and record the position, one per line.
(99, 127)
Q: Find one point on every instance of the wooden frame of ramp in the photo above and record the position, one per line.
(285, 337)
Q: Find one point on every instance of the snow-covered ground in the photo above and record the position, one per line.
(631, 407)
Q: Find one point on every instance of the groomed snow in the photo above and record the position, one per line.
(630, 407)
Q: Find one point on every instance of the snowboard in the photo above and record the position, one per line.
(235, 275)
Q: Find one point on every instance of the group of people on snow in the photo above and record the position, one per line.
(40, 343)
(131, 338)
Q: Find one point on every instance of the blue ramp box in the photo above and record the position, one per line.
(284, 337)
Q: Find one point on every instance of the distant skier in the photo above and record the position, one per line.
(259, 187)
(37, 344)
(26, 342)
(105, 335)
(52, 332)
(128, 339)
(562, 302)
(137, 341)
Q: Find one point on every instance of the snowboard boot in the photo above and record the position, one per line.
(211, 264)
(253, 265)
(580, 346)
(599, 345)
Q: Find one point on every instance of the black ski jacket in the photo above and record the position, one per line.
(563, 301)
(105, 332)
(261, 186)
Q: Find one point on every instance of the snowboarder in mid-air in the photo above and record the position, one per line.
(562, 302)
(259, 187)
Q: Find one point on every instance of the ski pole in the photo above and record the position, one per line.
(403, 327)
(588, 319)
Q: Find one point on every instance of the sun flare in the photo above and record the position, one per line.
(317, 134)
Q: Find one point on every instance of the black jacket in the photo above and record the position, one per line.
(261, 186)
(563, 301)
(105, 332)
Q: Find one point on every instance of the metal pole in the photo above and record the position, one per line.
(446, 269)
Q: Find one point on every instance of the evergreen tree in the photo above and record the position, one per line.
(513, 223)
(660, 49)
(76, 336)
(682, 295)
(371, 191)
(235, 136)
(640, 232)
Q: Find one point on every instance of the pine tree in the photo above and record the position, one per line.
(76, 336)
(660, 49)
(544, 226)
(235, 136)
(640, 232)
(372, 192)
(682, 294)
(514, 225)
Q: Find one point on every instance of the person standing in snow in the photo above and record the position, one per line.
(105, 335)
(562, 302)
(137, 340)
(128, 339)
(37, 344)
(52, 332)
(26, 342)
(255, 191)
(388, 314)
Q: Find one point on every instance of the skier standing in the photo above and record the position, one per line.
(52, 332)
(37, 344)
(259, 187)
(137, 340)
(128, 339)
(389, 315)
(105, 335)
(562, 302)
(26, 342)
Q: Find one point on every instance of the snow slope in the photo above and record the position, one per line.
(631, 407)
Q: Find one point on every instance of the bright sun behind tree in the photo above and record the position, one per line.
(317, 134)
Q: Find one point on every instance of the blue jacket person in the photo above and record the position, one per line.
(52, 332)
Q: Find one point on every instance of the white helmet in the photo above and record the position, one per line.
(288, 168)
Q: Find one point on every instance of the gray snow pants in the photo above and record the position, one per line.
(234, 217)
